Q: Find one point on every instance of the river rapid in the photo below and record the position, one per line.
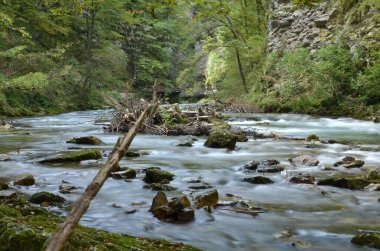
(318, 220)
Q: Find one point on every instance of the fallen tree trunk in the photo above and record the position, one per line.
(80, 207)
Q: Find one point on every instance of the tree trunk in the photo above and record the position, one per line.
(80, 207)
(244, 82)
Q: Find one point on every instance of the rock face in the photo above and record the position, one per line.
(155, 175)
(74, 157)
(207, 199)
(41, 197)
(318, 25)
(221, 139)
(88, 140)
(306, 160)
(25, 180)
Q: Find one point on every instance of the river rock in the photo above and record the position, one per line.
(7, 194)
(66, 189)
(125, 174)
(179, 203)
(207, 199)
(155, 175)
(370, 240)
(373, 174)
(5, 158)
(41, 197)
(131, 154)
(6, 127)
(221, 139)
(270, 169)
(25, 180)
(313, 137)
(159, 187)
(186, 144)
(74, 157)
(186, 215)
(88, 140)
(178, 208)
(306, 160)
(348, 183)
(262, 165)
(372, 187)
(251, 165)
(258, 180)
(158, 201)
(302, 179)
(350, 162)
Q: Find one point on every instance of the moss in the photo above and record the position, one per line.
(41, 197)
(19, 232)
(367, 239)
(75, 156)
(155, 175)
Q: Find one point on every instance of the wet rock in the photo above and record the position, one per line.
(200, 187)
(257, 135)
(221, 139)
(313, 137)
(6, 127)
(3, 185)
(158, 201)
(251, 165)
(350, 162)
(351, 183)
(302, 179)
(88, 140)
(263, 165)
(155, 175)
(159, 187)
(372, 187)
(373, 174)
(7, 194)
(66, 189)
(126, 174)
(342, 142)
(306, 160)
(186, 215)
(131, 154)
(186, 144)
(74, 157)
(25, 180)
(315, 146)
(207, 199)
(5, 158)
(270, 169)
(371, 240)
(179, 203)
(132, 211)
(241, 138)
(258, 180)
(41, 197)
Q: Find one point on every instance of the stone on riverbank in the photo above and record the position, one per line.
(25, 180)
(207, 199)
(88, 140)
(221, 139)
(258, 180)
(371, 240)
(306, 160)
(347, 183)
(155, 175)
(74, 157)
(42, 197)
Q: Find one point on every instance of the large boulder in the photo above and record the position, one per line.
(221, 139)
(207, 199)
(25, 180)
(348, 183)
(74, 156)
(156, 175)
(88, 140)
(42, 197)
(306, 160)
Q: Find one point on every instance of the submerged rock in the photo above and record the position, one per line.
(41, 197)
(348, 183)
(155, 175)
(371, 240)
(221, 139)
(74, 156)
(258, 180)
(131, 154)
(159, 187)
(88, 140)
(306, 160)
(25, 180)
(207, 199)
(302, 179)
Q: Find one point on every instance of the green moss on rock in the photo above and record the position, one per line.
(155, 175)
(367, 239)
(348, 183)
(41, 197)
(74, 156)
(221, 139)
(88, 140)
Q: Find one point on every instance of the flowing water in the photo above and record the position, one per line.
(327, 221)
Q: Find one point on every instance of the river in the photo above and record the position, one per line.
(326, 221)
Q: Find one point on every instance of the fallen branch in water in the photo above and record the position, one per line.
(80, 207)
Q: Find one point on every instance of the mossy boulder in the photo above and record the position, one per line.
(41, 197)
(370, 240)
(347, 183)
(258, 180)
(88, 140)
(25, 180)
(221, 139)
(156, 175)
(74, 156)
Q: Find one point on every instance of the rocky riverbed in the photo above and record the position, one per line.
(275, 191)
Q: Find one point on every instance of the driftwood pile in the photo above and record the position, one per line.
(169, 120)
